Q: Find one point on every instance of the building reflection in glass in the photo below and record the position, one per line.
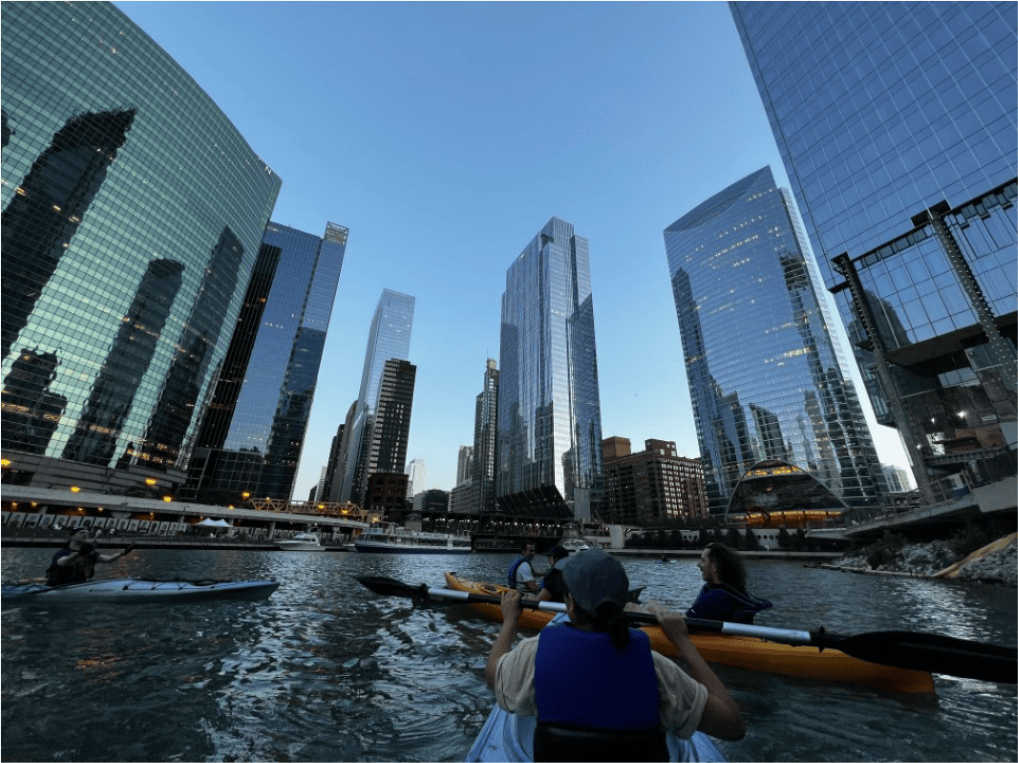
(766, 380)
(31, 412)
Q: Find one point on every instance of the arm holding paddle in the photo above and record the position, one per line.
(511, 611)
(721, 717)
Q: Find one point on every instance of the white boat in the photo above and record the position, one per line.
(393, 539)
(136, 591)
(301, 542)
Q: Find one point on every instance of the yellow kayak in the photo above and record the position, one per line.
(739, 651)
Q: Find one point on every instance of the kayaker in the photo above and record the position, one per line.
(597, 689)
(521, 572)
(724, 596)
(552, 587)
(75, 562)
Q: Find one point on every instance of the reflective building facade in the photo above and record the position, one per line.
(898, 127)
(253, 432)
(549, 410)
(766, 380)
(132, 211)
(388, 339)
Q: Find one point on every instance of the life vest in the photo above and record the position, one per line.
(511, 577)
(78, 571)
(596, 702)
(718, 601)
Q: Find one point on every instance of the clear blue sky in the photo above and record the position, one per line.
(445, 135)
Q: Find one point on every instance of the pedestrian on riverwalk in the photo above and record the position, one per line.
(597, 689)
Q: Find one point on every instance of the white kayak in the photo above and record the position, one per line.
(133, 590)
(510, 737)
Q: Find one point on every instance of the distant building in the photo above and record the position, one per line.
(418, 477)
(431, 501)
(897, 479)
(465, 463)
(485, 442)
(385, 441)
(549, 410)
(386, 494)
(131, 222)
(767, 381)
(252, 435)
(897, 124)
(463, 498)
(388, 339)
(651, 486)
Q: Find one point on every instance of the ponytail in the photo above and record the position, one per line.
(610, 619)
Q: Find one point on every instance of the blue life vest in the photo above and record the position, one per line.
(511, 577)
(718, 601)
(582, 680)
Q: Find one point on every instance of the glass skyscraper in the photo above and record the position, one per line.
(483, 466)
(766, 380)
(388, 339)
(132, 216)
(253, 432)
(898, 127)
(549, 407)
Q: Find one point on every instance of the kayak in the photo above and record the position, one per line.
(135, 591)
(509, 737)
(740, 651)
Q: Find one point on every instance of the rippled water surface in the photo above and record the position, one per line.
(326, 671)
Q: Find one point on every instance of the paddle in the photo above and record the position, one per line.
(903, 649)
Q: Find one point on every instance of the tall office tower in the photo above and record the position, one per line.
(387, 438)
(465, 463)
(485, 441)
(767, 382)
(417, 481)
(549, 409)
(897, 125)
(325, 481)
(337, 468)
(388, 339)
(652, 486)
(31, 412)
(253, 432)
(897, 478)
(121, 184)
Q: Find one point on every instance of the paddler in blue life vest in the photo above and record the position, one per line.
(597, 689)
(75, 562)
(521, 572)
(724, 596)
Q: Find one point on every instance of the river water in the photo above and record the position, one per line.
(327, 671)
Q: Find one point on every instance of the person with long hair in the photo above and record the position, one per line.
(597, 689)
(724, 596)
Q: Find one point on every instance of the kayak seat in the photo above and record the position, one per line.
(559, 742)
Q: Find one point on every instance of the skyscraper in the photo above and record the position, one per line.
(386, 440)
(388, 339)
(766, 380)
(464, 463)
(253, 432)
(485, 439)
(132, 213)
(549, 409)
(897, 124)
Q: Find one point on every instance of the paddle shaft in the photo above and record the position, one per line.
(916, 651)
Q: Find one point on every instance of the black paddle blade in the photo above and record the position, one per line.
(934, 653)
(390, 587)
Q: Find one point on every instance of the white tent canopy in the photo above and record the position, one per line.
(213, 523)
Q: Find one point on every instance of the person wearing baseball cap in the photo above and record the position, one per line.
(597, 689)
(75, 562)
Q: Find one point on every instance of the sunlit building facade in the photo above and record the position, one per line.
(766, 380)
(549, 409)
(653, 486)
(898, 127)
(388, 339)
(132, 216)
(253, 431)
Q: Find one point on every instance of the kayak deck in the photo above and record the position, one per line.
(741, 651)
(133, 590)
(509, 737)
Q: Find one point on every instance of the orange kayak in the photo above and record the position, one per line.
(739, 651)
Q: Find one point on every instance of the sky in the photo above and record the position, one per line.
(445, 135)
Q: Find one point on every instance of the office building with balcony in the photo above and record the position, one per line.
(549, 409)
(767, 382)
(388, 339)
(253, 431)
(132, 215)
(650, 487)
(898, 127)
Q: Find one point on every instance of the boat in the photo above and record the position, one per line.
(301, 542)
(393, 539)
(139, 591)
(506, 736)
(740, 651)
